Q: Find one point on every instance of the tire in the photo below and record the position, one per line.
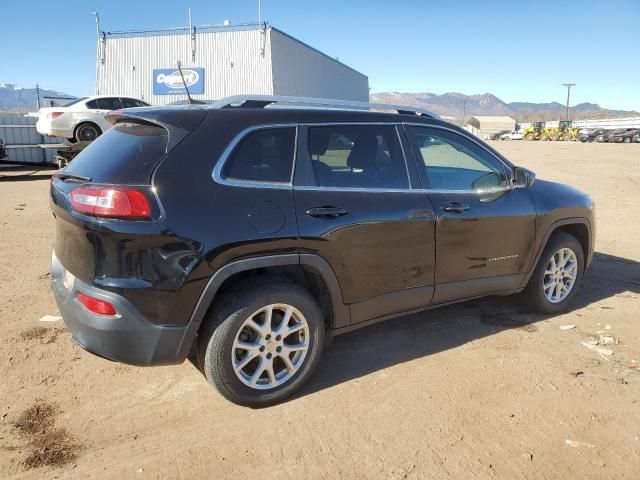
(544, 137)
(87, 132)
(627, 140)
(534, 293)
(226, 323)
(530, 136)
(555, 136)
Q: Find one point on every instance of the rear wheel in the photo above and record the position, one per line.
(627, 140)
(261, 342)
(557, 276)
(87, 132)
(544, 137)
(530, 136)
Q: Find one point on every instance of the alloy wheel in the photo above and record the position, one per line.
(270, 346)
(560, 275)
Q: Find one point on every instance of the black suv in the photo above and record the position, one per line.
(246, 233)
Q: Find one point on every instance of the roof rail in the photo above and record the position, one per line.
(262, 101)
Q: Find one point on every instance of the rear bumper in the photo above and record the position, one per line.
(46, 127)
(126, 337)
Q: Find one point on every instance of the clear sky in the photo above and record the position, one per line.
(517, 50)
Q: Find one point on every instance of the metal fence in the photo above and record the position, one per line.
(607, 123)
(23, 141)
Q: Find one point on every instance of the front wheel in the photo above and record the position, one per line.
(557, 276)
(261, 342)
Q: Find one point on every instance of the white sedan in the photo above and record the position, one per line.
(83, 118)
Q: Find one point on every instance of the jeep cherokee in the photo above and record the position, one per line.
(243, 234)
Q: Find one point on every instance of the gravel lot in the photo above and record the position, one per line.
(477, 390)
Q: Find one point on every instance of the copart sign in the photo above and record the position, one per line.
(168, 81)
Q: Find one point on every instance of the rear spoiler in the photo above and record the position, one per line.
(177, 122)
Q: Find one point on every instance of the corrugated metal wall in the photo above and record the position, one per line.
(235, 63)
(247, 61)
(300, 70)
(22, 140)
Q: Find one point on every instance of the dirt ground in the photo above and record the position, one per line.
(476, 390)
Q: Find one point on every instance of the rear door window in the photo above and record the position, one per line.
(108, 103)
(357, 156)
(132, 103)
(265, 155)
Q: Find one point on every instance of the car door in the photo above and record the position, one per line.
(485, 229)
(360, 207)
(105, 105)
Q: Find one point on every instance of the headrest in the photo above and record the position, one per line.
(318, 142)
(364, 152)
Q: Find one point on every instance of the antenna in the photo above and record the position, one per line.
(97, 15)
(191, 102)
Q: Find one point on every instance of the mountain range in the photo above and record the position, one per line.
(16, 98)
(454, 105)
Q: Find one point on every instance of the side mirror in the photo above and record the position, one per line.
(523, 178)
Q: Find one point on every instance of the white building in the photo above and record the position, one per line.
(218, 62)
(487, 125)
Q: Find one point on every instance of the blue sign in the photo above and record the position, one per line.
(167, 81)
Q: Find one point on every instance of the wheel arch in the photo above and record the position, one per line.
(86, 122)
(579, 227)
(311, 270)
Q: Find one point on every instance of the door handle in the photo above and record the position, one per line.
(326, 212)
(455, 207)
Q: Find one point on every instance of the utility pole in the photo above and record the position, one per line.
(568, 85)
(464, 110)
(260, 12)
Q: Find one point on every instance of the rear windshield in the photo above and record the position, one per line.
(74, 101)
(124, 154)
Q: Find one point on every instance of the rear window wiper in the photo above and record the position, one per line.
(72, 177)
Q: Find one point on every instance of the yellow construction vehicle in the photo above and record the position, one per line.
(564, 131)
(535, 132)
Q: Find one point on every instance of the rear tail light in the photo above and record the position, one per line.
(95, 305)
(53, 115)
(113, 202)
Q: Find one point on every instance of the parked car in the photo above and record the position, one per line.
(498, 135)
(512, 136)
(297, 224)
(82, 119)
(610, 135)
(625, 137)
(604, 136)
(590, 135)
(636, 138)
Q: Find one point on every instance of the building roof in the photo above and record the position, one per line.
(216, 29)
